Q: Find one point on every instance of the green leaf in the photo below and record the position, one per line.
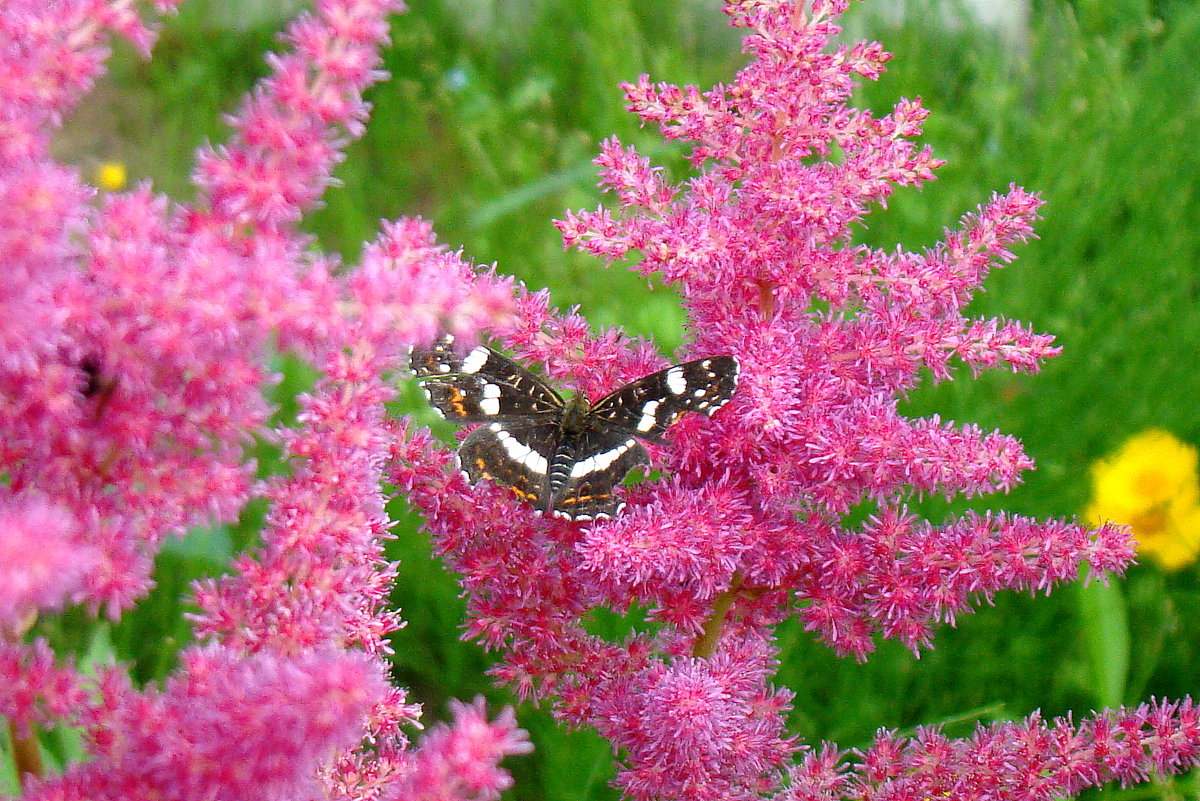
(1106, 633)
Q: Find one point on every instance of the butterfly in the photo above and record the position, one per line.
(564, 457)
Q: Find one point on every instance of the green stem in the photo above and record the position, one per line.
(27, 754)
(707, 644)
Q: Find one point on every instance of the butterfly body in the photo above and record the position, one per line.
(564, 457)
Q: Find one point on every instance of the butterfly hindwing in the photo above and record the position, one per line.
(588, 467)
(649, 406)
(517, 456)
(481, 385)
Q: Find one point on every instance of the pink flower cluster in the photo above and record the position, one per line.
(751, 522)
(1027, 760)
(135, 339)
(227, 725)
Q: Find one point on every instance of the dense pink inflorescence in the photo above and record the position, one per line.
(459, 761)
(1032, 760)
(63, 300)
(36, 689)
(749, 517)
(134, 342)
(1028, 760)
(135, 339)
(226, 726)
(43, 560)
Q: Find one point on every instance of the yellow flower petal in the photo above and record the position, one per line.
(1177, 543)
(1150, 484)
(1149, 470)
(111, 176)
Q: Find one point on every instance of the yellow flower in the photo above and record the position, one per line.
(1178, 544)
(110, 176)
(1150, 484)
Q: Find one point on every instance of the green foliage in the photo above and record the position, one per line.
(488, 126)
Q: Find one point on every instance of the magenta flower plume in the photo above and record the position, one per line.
(136, 340)
(459, 761)
(43, 560)
(290, 131)
(50, 57)
(753, 512)
(1029, 760)
(136, 335)
(227, 726)
(36, 689)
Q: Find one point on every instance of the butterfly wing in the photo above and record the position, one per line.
(649, 406)
(513, 454)
(482, 385)
(570, 469)
(586, 470)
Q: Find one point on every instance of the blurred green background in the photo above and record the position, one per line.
(488, 127)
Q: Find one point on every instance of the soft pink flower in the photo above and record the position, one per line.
(460, 760)
(227, 726)
(757, 506)
(1028, 760)
(34, 689)
(137, 335)
(289, 133)
(700, 728)
(43, 560)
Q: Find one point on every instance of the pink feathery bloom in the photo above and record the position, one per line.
(50, 55)
(226, 726)
(459, 761)
(43, 560)
(760, 507)
(137, 335)
(35, 689)
(1028, 760)
(136, 343)
(701, 728)
(291, 130)
(320, 575)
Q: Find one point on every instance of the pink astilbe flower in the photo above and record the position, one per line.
(1027, 760)
(701, 728)
(135, 339)
(290, 131)
(43, 560)
(227, 726)
(50, 55)
(137, 335)
(459, 761)
(753, 514)
(37, 690)
(320, 575)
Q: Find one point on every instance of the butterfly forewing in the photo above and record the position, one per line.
(649, 406)
(481, 385)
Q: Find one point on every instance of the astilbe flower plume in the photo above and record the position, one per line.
(751, 522)
(135, 339)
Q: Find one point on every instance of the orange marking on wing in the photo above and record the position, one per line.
(584, 498)
(456, 400)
